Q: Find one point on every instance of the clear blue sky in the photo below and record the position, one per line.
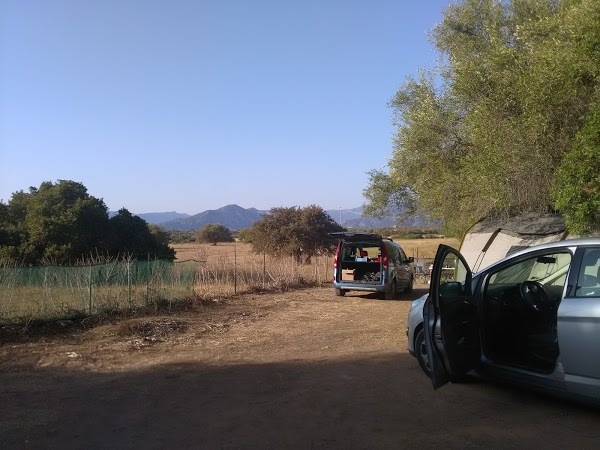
(193, 105)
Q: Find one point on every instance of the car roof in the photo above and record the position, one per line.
(355, 236)
(581, 242)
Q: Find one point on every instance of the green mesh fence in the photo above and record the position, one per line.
(51, 291)
(58, 291)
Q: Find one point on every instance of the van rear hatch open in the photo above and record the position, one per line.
(359, 259)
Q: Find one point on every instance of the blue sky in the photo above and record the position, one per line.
(193, 105)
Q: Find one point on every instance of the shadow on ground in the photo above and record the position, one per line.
(402, 296)
(381, 401)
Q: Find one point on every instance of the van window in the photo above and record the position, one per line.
(393, 253)
(402, 256)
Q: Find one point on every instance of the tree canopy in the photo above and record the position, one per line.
(501, 125)
(299, 232)
(131, 236)
(61, 223)
(213, 233)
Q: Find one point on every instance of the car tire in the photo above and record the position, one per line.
(408, 289)
(391, 293)
(421, 352)
(340, 292)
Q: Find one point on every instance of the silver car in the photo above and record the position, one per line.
(532, 318)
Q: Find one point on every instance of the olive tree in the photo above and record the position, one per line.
(298, 232)
(486, 131)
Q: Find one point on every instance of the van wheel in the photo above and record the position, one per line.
(340, 292)
(391, 294)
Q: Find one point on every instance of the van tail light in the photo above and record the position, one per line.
(335, 260)
(384, 257)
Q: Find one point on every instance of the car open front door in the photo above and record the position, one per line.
(450, 319)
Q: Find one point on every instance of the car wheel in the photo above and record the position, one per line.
(408, 289)
(421, 352)
(391, 293)
(340, 292)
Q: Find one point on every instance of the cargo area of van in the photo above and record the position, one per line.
(360, 264)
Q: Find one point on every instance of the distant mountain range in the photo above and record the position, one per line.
(161, 217)
(235, 217)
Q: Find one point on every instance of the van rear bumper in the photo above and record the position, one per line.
(360, 287)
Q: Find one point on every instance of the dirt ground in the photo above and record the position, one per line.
(302, 369)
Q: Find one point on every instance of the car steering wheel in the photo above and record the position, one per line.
(535, 295)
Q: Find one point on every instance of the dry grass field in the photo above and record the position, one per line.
(201, 270)
(418, 248)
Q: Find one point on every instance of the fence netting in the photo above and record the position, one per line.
(61, 291)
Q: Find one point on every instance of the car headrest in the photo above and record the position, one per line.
(591, 258)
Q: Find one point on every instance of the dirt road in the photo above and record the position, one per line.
(299, 369)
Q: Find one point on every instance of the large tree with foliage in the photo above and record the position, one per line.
(299, 232)
(213, 232)
(56, 222)
(130, 236)
(61, 223)
(487, 132)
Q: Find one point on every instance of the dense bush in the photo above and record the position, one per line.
(61, 223)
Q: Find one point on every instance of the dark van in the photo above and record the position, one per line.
(368, 262)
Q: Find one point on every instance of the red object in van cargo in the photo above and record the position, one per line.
(384, 256)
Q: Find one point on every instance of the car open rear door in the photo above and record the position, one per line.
(450, 319)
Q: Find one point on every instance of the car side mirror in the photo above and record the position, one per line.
(410, 259)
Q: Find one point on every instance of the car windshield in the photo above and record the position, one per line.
(548, 270)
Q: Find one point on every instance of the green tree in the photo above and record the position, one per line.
(161, 235)
(213, 233)
(299, 232)
(61, 223)
(577, 191)
(131, 236)
(56, 222)
(484, 133)
(181, 236)
(14, 240)
(245, 235)
(65, 223)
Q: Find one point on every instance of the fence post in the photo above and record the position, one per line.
(148, 272)
(129, 282)
(264, 268)
(91, 280)
(234, 270)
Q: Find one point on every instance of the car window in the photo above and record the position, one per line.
(588, 279)
(453, 271)
(547, 269)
